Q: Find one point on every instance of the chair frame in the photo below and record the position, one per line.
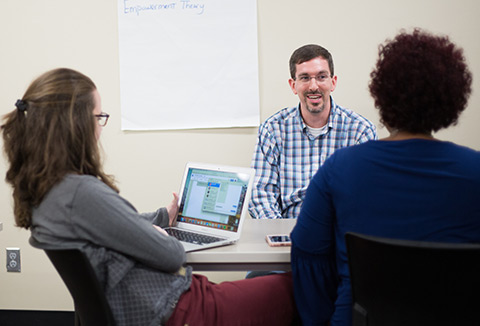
(91, 305)
(402, 282)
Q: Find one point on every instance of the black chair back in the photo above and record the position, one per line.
(400, 282)
(91, 306)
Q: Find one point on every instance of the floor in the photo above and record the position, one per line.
(36, 318)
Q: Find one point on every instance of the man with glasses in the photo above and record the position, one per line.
(293, 143)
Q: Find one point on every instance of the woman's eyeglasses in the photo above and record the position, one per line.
(102, 118)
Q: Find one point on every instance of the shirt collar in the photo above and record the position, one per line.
(333, 109)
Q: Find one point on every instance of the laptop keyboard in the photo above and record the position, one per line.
(192, 237)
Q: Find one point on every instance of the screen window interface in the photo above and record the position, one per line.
(213, 199)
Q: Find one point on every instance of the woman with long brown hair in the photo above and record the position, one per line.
(62, 194)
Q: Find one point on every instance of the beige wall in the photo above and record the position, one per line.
(39, 35)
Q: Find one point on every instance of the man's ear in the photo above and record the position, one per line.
(291, 82)
(334, 83)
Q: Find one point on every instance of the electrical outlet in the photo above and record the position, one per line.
(13, 260)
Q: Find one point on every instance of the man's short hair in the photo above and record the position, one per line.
(307, 53)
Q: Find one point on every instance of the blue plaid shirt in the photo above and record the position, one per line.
(287, 156)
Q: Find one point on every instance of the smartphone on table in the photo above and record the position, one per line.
(276, 240)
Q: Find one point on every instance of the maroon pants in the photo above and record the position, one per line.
(263, 301)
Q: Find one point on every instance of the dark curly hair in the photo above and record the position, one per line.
(421, 82)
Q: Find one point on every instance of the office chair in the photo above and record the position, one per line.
(400, 282)
(91, 306)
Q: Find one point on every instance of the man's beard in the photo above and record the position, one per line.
(315, 109)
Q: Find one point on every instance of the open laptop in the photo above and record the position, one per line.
(213, 204)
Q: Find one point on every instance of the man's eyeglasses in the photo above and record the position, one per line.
(320, 78)
(102, 118)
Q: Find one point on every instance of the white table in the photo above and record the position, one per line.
(250, 253)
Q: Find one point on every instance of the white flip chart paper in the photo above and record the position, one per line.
(188, 64)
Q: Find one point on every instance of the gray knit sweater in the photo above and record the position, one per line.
(140, 268)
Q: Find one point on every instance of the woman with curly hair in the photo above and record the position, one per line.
(63, 196)
(408, 185)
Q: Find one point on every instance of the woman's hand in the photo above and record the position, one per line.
(172, 210)
(159, 229)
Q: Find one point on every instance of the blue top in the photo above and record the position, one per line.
(411, 189)
(287, 155)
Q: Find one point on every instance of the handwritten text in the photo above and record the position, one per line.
(133, 7)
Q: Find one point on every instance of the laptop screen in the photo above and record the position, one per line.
(213, 198)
